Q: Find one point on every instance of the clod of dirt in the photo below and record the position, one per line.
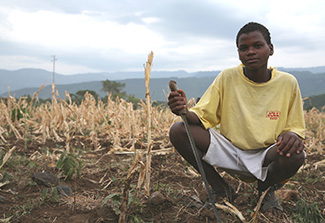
(64, 190)
(287, 195)
(46, 178)
(157, 198)
(2, 199)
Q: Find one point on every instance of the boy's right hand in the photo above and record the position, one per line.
(177, 101)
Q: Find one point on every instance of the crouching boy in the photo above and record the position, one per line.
(260, 115)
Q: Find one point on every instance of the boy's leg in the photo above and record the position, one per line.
(201, 136)
(281, 167)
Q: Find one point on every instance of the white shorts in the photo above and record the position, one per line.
(244, 164)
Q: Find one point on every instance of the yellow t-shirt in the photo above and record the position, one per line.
(252, 115)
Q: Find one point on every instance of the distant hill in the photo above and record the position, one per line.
(30, 78)
(310, 84)
(194, 84)
(317, 101)
(314, 70)
(194, 87)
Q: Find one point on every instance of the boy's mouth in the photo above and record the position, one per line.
(252, 60)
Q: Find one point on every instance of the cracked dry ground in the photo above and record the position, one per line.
(103, 176)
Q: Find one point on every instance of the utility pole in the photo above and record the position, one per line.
(53, 59)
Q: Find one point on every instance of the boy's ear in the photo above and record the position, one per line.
(271, 49)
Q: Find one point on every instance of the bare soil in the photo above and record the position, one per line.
(104, 174)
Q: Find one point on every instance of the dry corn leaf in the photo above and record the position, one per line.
(7, 156)
(4, 183)
(231, 209)
(258, 206)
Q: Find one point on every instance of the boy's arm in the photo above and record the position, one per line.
(291, 140)
(192, 118)
(177, 102)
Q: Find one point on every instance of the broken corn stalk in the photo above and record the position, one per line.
(148, 163)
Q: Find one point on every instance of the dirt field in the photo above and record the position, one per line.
(92, 151)
(103, 175)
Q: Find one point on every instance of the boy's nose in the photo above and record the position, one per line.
(251, 50)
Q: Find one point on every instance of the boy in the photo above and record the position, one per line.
(261, 122)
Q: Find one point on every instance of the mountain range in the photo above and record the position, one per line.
(28, 81)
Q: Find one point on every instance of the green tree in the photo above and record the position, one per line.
(82, 93)
(134, 100)
(79, 95)
(114, 87)
(317, 101)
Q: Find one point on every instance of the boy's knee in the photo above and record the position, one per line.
(300, 159)
(294, 162)
(176, 131)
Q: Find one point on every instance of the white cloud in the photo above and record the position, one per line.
(189, 35)
(18, 62)
(73, 31)
(150, 20)
(22, 61)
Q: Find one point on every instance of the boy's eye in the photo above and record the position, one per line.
(258, 46)
(242, 48)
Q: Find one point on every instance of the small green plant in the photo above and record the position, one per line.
(69, 164)
(50, 194)
(24, 209)
(134, 200)
(135, 219)
(133, 204)
(5, 177)
(116, 202)
(15, 160)
(2, 154)
(32, 165)
(167, 188)
(17, 114)
(308, 177)
(187, 164)
(305, 213)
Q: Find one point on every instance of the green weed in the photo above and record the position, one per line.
(15, 160)
(50, 194)
(25, 209)
(133, 204)
(307, 213)
(308, 177)
(115, 201)
(69, 164)
(2, 154)
(17, 114)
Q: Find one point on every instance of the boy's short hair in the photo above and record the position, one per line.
(254, 26)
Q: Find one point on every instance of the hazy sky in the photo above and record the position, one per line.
(106, 35)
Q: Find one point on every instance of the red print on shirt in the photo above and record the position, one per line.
(273, 115)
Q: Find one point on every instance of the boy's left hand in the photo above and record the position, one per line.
(289, 143)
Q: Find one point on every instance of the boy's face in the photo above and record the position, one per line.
(253, 50)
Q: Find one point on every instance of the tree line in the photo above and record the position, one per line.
(113, 89)
(317, 101)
